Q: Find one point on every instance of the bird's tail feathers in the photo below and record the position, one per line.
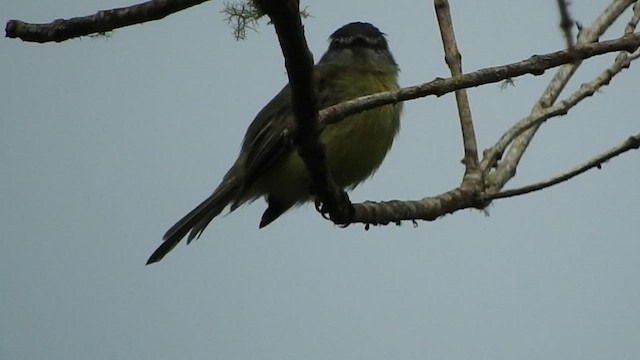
(196, 220)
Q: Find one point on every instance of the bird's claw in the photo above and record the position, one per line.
(321, 208)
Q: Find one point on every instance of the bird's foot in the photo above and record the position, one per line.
(345, 219)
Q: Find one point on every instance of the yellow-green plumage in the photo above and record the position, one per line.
(357, 63)
(354, 147)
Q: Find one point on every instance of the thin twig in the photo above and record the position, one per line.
(101, 22)
(454, 61)
(566, 23)
(631, 143)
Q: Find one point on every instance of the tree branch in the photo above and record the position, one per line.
(299, 63)
(535, 65)
(459, 198)
(429, 209)
(285, 16)
(506, 169)
(472, 175)
(101, 22)
(631, 143)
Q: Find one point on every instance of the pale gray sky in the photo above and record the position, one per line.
(104, 143)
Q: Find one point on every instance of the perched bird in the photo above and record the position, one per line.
(357, 63)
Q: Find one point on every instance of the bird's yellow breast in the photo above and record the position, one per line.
(355, 147)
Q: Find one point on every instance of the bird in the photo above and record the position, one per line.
(357, 62)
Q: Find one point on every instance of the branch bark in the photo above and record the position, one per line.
(473, 177)
(101, 22)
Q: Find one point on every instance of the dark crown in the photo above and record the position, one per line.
(358, 34)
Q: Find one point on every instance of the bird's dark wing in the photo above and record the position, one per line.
(269, 137)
